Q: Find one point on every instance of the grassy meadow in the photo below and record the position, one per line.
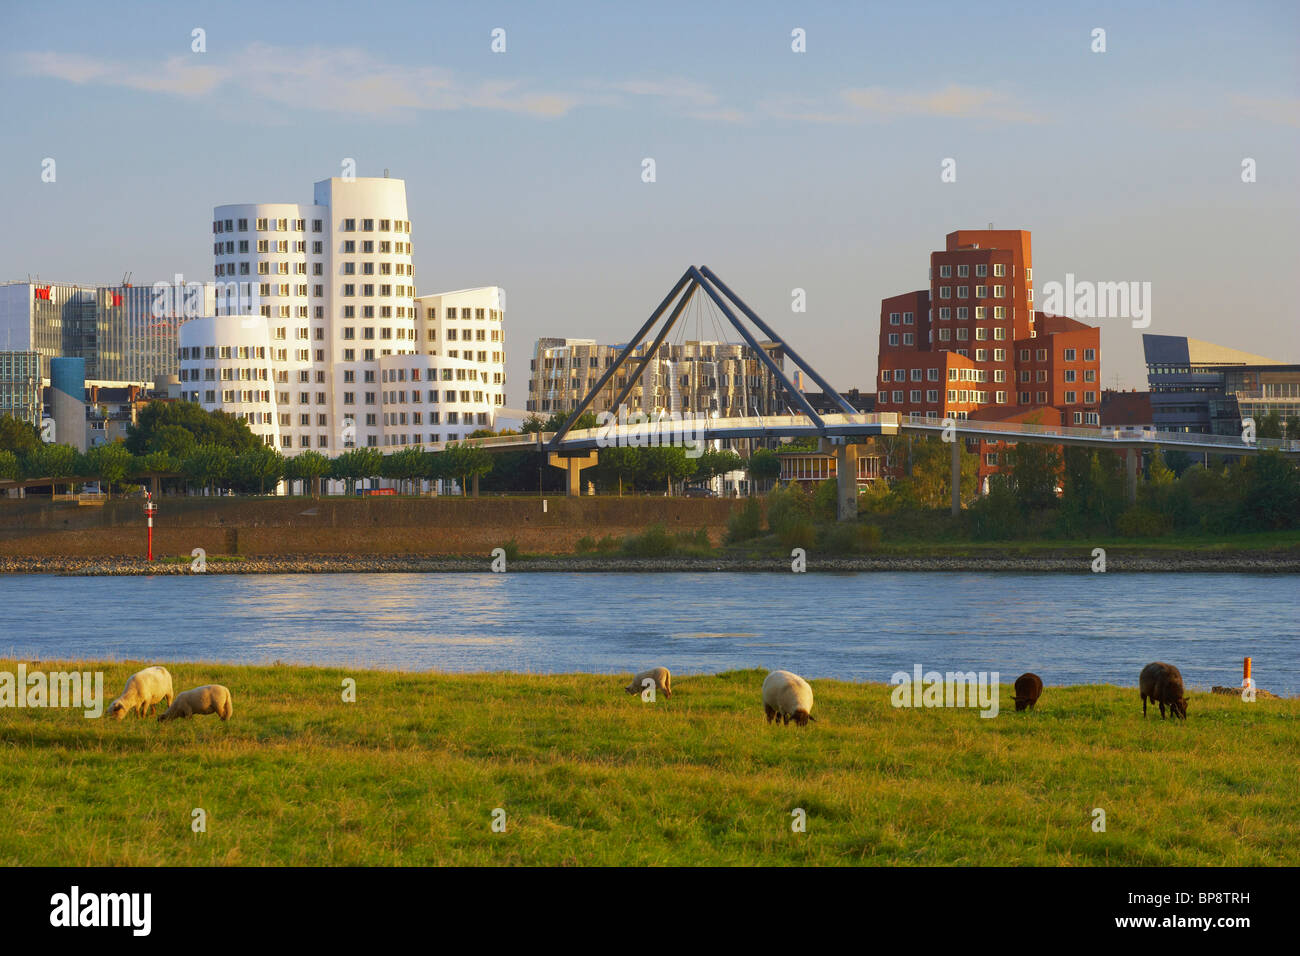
(411, 772)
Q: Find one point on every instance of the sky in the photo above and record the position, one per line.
(818, 170)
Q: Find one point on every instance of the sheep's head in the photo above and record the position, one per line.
(116, 710)
(801, 717)
(1179, 707)
(631, 688)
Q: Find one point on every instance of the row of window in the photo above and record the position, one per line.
(981, 292)
(981, 313)
(978, 397)
(385, 225)
(317, 225)
(981, 269)
(1067, 355)
(368, 289)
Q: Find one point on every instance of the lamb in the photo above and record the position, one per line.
(1163, 683)
(1029, 687)
(660, 675)
(787, 696)
(208, 699)
(144, 688)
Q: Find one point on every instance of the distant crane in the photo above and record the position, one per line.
(126, 280)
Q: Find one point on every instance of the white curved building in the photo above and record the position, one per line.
(226, 365)
(335, 285)
(426, 399)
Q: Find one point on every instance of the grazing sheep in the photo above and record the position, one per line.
(1163, 684)
(787, 696)
(660, 675)
(1029, 687)
(208, 699)
(144, 688)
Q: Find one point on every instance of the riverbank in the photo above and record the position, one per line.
(1046, 561)
(415, 771)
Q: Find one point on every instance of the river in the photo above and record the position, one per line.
(1070, 629)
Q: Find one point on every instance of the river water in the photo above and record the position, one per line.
(1070, 629)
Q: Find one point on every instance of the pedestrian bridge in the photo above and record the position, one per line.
(575, 449)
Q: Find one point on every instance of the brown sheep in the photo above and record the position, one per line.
(1029, 687)
(1163, 684)
(208, 699)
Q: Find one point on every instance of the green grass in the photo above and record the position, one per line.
(411, 772)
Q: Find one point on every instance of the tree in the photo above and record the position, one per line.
(18, 436)
(110, 463)
(258, 467)
(763, 465)
(932, 472)
(308, 467)
(408, 464)
(717, 462)
(1270, 498)
(51, 461)
(467, 463)
(11, 468)
(1035, 470)
(535, 423)
(668, 465)
(209, 465)
(355, 464)
(618, 464)
(152, 430)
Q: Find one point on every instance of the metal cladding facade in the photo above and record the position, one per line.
(688, 377)
(68, 401)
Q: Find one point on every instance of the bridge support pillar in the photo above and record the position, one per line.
(573, 465)
(956, 476)
(1132, 483)
(846, 478)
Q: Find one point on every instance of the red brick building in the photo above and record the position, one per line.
(972, 343)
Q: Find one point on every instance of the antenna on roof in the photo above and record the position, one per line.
(385, 173)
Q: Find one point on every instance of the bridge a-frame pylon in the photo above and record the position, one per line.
(695, 279)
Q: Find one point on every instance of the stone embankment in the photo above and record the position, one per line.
(1282, 562)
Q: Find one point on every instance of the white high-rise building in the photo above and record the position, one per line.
(346, 337)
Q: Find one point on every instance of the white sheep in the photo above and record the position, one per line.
(663, 681)
(208, 699)
(787, 696)
(144, 688)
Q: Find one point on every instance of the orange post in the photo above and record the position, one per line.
(1245, 675)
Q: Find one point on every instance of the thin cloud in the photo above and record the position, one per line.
(337, 80)
(1283, 111)
(881, 103)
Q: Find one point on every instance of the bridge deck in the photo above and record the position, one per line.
(670, 432)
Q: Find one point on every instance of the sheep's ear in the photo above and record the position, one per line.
(812, 718)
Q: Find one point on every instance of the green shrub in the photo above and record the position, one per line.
(996, 516)
(695, 540)
(608, 544)
(585, 544)
(1143, 523)
(848, 538)
(797, 534)
(653, 542)
(511, 548)
(788, 506)
(826, 500)
(746, 522)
